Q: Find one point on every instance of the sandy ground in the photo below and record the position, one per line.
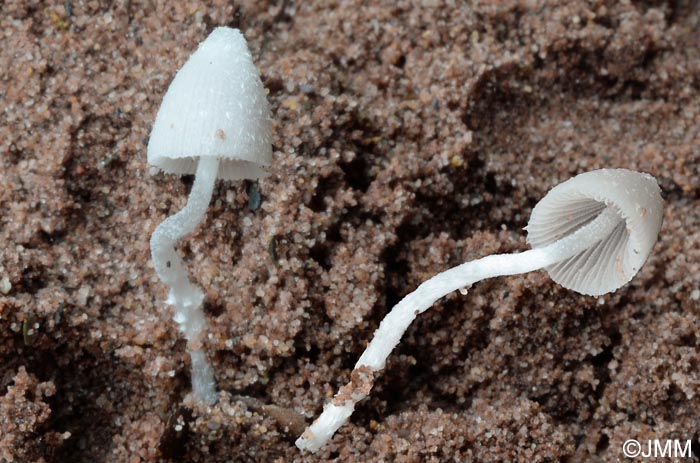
(408, 137)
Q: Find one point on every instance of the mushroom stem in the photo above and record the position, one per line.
(392, 328)
(185, 297)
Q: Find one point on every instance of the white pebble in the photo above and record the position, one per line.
(5, 285)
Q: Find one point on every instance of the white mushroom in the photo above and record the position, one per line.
(592, 233)
(214, 122)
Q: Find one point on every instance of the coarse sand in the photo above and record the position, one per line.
(409, 136)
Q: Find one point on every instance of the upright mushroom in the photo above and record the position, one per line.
(591, 233)
(214, 122)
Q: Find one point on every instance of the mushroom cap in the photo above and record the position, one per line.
(215, 106)
(617, 258)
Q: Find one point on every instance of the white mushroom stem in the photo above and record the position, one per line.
(392, 328)
(185, 297)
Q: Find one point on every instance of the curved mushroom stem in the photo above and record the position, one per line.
(185, 297)
(392, 328)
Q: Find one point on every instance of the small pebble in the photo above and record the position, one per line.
(5, 285)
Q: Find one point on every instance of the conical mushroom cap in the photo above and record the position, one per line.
(615, 260)
(215, 106)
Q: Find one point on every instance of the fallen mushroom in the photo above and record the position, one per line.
(214, 121)
(591, 233)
